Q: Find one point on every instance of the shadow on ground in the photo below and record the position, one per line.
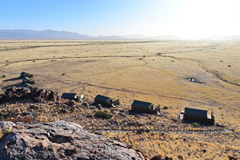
(12, 79)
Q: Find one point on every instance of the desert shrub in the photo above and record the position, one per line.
(103, 114)
(195, 124)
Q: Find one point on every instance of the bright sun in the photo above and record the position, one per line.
(207, 17)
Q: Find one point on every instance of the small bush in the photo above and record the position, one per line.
(195, 124)
(103, 114)
(3, 76)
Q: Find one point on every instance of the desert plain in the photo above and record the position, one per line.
(174, 74)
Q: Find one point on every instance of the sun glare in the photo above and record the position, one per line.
(203, 18)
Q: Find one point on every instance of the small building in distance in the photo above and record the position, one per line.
(197, 115)
(24, 74)
(145, 107)
(28, 80)
(72, 96)
(105, 101)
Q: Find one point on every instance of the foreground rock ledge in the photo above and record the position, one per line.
(61, 140)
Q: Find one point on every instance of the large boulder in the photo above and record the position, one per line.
(61, 140)
(42, 95)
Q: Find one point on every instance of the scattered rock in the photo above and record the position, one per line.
(33, 106)
(23, 93)
(99, 106)
(85, 104)
(159, 157)
(62, 140)
(165, 107)
(18, 117)
(43, 95)
(174, 120)
(232, 158)
(71, 103)
(204, 150)
(122, 114)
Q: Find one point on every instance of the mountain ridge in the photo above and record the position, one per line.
(24, 34)
(48, 34)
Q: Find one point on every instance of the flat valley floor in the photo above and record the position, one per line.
(175, 74)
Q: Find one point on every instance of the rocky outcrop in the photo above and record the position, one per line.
(23, 93)
(5, 128)
(61, 140)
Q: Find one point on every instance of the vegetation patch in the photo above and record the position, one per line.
(103, 114)
(195, 124)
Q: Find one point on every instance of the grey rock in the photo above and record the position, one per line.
(35, 94)
(62, 140)
(99, 106)
(6, 127)
(85, 104)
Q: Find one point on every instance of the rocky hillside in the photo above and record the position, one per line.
(60, 140)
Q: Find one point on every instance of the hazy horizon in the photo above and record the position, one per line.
(129, 36)
(185, 19)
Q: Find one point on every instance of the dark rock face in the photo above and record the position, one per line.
(61, 140)
(34, 94)
(42, 95)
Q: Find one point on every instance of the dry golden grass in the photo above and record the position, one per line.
(131, 70)
(189, 146)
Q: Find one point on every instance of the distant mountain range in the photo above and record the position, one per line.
(45, 34)
(64, 35)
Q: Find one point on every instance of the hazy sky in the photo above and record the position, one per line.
(191, 19)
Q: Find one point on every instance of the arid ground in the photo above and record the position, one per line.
(174, 74)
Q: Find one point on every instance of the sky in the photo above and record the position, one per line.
(188, 19)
